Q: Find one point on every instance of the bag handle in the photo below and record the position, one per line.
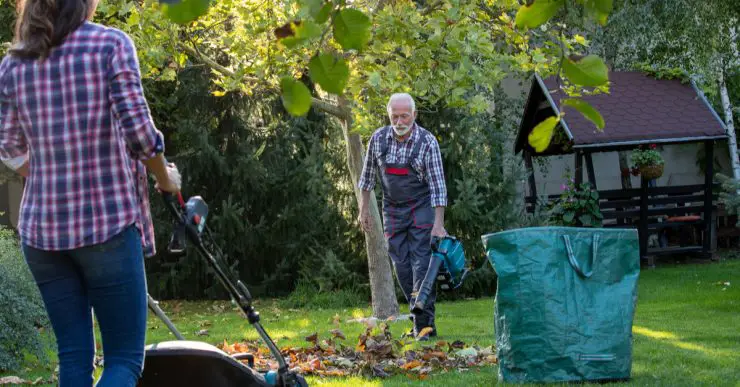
(572, 258)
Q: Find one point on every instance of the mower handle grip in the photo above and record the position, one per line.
(172, 206)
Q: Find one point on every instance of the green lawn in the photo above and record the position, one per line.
(686, 329)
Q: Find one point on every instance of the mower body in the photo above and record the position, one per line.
(191, 363)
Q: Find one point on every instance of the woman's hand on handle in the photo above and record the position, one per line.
(172, 182)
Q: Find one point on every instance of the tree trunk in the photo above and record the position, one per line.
(382, 288)
(624, 164)
(732, 140)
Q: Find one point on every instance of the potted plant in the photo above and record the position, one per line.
(648, 162)
(578, 206)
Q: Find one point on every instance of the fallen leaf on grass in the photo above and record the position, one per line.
(337, 333)
(486, 351)
(376, 355)
(411, 365)
(467, 352)
(434, 354)
(13, 380)
(457, 344)
(314, 338)
(380, 372)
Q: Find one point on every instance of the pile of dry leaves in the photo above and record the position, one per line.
(376, 354)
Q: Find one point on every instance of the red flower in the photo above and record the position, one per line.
(653, 146)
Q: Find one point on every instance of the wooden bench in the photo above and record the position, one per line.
(675, 210)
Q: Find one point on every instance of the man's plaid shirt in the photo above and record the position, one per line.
(428, 164)
(82, 116)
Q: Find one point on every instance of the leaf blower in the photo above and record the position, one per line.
(446, 266)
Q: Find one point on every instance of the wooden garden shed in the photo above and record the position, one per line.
(638, 110)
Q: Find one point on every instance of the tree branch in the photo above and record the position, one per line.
(318, 103)
(431, 8)
(341, 113)
(379, 7)
(327, 107)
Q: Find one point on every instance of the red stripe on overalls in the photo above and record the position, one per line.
(397, 171)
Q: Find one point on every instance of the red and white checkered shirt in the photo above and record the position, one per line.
(82, 117)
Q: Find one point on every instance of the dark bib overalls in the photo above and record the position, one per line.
(408, 218)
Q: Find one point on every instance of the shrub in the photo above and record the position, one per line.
(729, 196)
(22, 309)
(578, 206)
(307, 295)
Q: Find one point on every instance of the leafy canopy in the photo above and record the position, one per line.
(448, 51)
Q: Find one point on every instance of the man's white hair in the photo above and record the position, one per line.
(401, 97)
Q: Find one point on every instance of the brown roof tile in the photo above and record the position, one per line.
(641, 108)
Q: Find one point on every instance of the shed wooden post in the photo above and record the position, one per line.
(643, 225)
(530, 176)
(579, 168)
(708, 196)
(590, 170)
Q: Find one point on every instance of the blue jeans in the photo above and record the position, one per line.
(109, 278)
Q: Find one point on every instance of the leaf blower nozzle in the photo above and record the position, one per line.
(426, 286)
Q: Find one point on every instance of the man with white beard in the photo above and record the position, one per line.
(408, 161)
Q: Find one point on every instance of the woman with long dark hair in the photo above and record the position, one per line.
(74, 121)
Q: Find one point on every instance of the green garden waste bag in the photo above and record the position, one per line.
(565, 302)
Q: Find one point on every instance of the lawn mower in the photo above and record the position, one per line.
(191, 363)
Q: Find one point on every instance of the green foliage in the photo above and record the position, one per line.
(280, 202)
(589, 71)
(578, 206)
(541, 136)
(577, 72)
(659, 72)
(23, 315)
(185, 11)
(729, 195)
(587, 110)
(296, 97)
(352, 29)
(646, 156)
(671, 39)
(308, 295)
(536, 13)
(330, 72)
(328, 273)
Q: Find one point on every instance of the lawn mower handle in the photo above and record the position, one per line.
(238, 292)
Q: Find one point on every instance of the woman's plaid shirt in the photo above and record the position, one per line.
(82, 116)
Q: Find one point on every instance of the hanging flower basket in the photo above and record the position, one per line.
(649, 162)
(650, 172)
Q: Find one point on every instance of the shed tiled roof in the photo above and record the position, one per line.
(638, 109)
